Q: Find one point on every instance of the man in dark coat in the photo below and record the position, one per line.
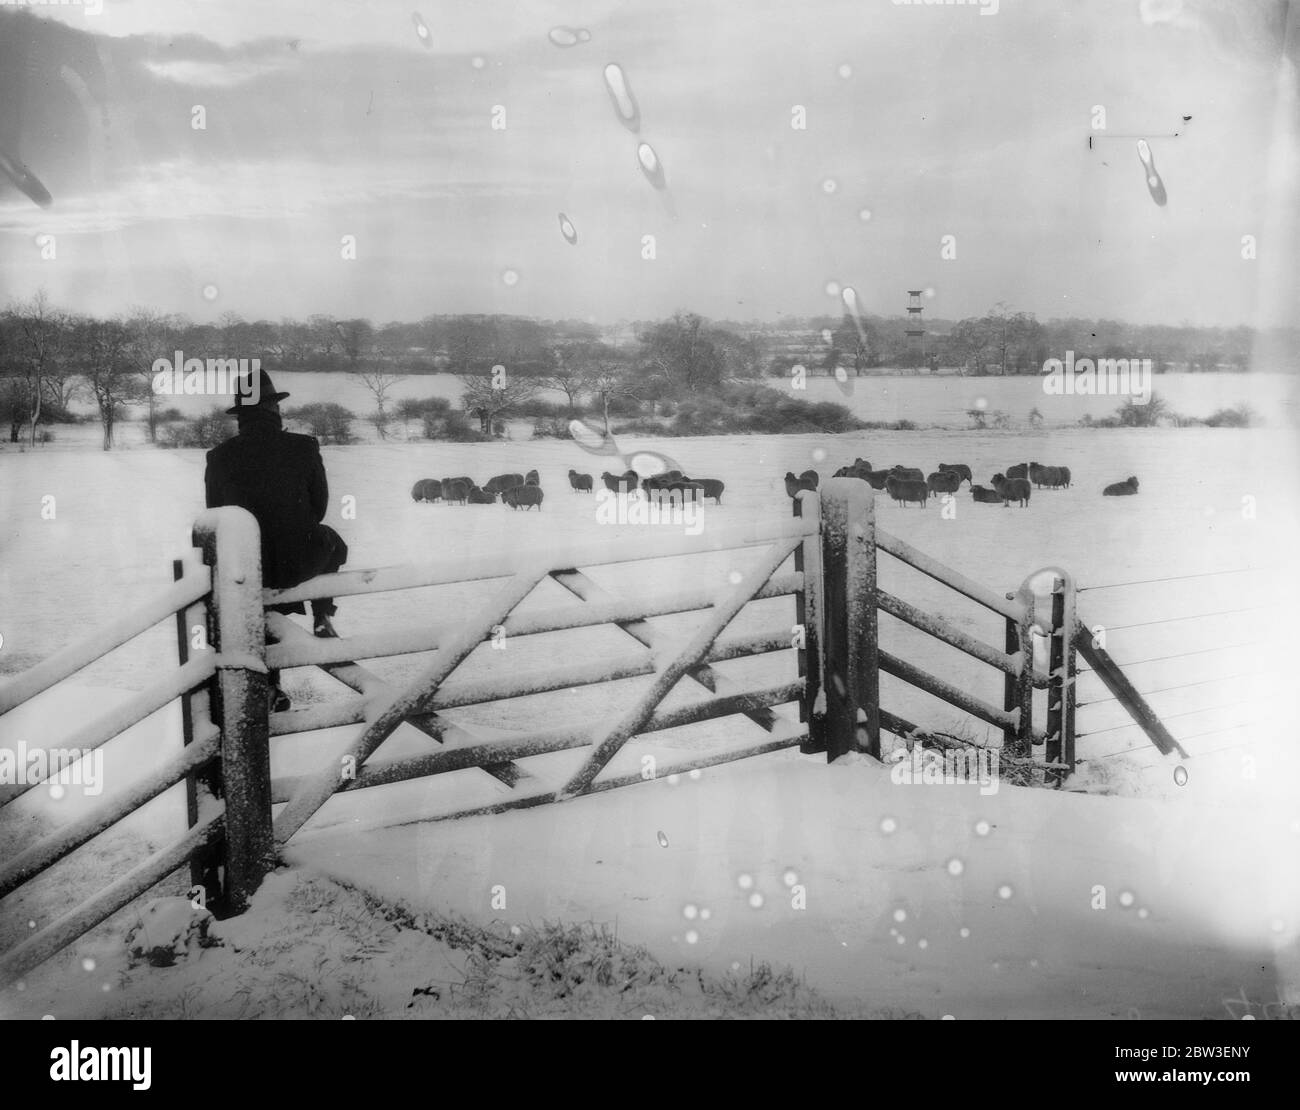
(279, 478)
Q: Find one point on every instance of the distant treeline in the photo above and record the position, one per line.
(49, 356)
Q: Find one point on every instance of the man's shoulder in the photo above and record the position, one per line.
(308, 445)
(221, 450)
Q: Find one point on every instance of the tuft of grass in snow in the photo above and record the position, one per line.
(310, 947)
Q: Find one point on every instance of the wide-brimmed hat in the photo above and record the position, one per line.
(267, 397)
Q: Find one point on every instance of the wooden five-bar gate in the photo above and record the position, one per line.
(824, 558)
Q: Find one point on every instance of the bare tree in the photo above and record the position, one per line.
(490, 397)
(686, 352)
(297, 339)
(105, 350)
(568, 375)
(63, 384)
(356, 336)
(856, 340)
(380, 383)
(151, 334)
(325, 332)
(971, 339)
(39, 334)
(14, 403)
(606, 376)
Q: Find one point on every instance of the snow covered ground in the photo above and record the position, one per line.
(1214, 903)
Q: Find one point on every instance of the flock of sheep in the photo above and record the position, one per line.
(906, 484)
(672, 483)
(524, 491)
(519, 491)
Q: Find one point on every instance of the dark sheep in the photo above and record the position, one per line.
(944, 481)
(532, 479)
(682, 491)
(1012, 489)
(1020, 470)
(876, 478)
(909, 473)
(427, 489)
(1050, 476)
(1065, 476)
(477, 496)
(795, 486)
(907, 489)
(985, 496)
(713, 487)
(580, 482)
(523, 497)
(503, 482)
(448, 482)
(958, 468)
(1126, 488)
(620, 483)
(810, 478)
(656, 482)
(859, 468)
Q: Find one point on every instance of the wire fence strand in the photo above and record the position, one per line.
(1194, 736)
(1176, 655)
(1185, 713)
(1180, 686)
(1189, 617)
(1173, 578)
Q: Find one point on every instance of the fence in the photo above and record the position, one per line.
(832, 544)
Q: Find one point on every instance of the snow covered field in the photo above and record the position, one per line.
(1210, 863)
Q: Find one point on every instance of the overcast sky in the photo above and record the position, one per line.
(337, 118)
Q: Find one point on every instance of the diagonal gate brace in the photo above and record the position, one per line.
(317, 789)
(641, 630)
(687, 660)
(371, 686)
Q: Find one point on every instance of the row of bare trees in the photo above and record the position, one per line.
(586, 369)
(48, 357)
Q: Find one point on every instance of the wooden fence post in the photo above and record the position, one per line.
(808, 610)
(851, 679)
(187, 720)
(231, 546)
(1117, 682)
(1060, 688)
(195, 712)
(1018, 690)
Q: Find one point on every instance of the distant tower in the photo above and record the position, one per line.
(915, 330)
